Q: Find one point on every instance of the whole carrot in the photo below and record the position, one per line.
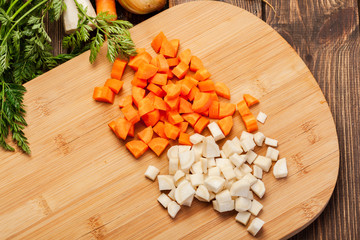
(106, 6)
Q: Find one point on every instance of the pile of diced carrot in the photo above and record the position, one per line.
(169, 92)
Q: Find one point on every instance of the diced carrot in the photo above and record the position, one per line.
(118, 68)
(170, 74)
(214, 110)
(163, 116)
(136, 147)
(158, 145)
(131, 132)
(186, 86)
(151, 96)
(175, 43)
(155, 62)
(185, 106)
(103, 94)
(151, 118)
(146, 71)
(222, 90)
(143, 57)
(201, 124)
(159, 79)
(250, 123)
(174, 117)
(205, 114)
(213, 96)
(194, 90)
(114, 84)
(131, 114)
(157, 41)
(159, 103)
(226, 124)
(180, 70)
(146, 134)
(141, 83)
(159, 129)
(191, 118)
(250, 100)
(156, 90)
(167, 49)
(243, 108)
(193, 80)
(137, 94)
(122, 128)
(126, 100)
(145, 106)
(172, 91)
(171, 131)
(195, 64)
(112, 125)
(201, 102)
(226, 109)
(172, 103)
(172, 62)
(185, 56)
(163, 64)
(184, 139)
(138, 51)
(206, 86)
(183, 126)
(202, 74)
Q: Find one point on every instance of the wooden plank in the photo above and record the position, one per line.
(326, 36)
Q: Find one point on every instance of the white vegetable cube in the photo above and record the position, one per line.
(196, 168)
(246, 135)
(216, 131)
(242, 204)
(222, 154)
(280, 168)
(250, 156)
(261, 117)
(223, 196)
(255, 226)
(243, 217)
(196, 138)
(183, 148)
(272, 153)
(172, 194)
(259, 138)
(166, 182)
(211, 162)
(250, 178)
(214, 183)
(178, 175)
(173, 165)
(173, 209)
(204, 165)
(202, 193)
(239, 174)
(263, 162)
(247, 144)
(237, 159)
(228, 183)
(258, 188)
(187, 158)
(164, 200)
(152, 172)
(197, 149)
(188, 201)
(230, 148)
(223, 162)
(236, 141)
(214, 171)
(210, 149)
(183, 192)
(245, 169)
(173, 152)
(255, 207)
(250, 195)
(271, 142)
(228, 172)
(212, 196)
(240, 188)
(258, 172)
(224, 206)
(197, 179)
(180, 181)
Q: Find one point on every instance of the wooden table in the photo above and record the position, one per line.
(326, 36)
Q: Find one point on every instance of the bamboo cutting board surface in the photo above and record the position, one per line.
(81, 183)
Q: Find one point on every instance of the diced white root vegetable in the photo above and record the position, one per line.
(212, 196)
(255, 207)
(71, 17)
(259, 138)
(173, 209)
(216, 131)
(272, 153)
(271, 142)
(243, 217)
(187, 177)
(204, 165)
(211, 162)
(263, 162)
(172, 194)
(173, 165)
(188, 201)
(280, 168)
(180, 181)
(261, 117)
(228, 172)
(258, 188)
(224, 206)
(242, 204)
(214, 171)
(230, 148)
(187, 158)
(245, 169)
(258, 172)
(247, 144)
(183, 148)
(173, 152)
(183, 192)
(178, 175)
(152, 172)
(196, 138)
(250, 178)
(250, 195)
(222, 154)
(214, 183)
(197, 149)
(223, 196)
(237, 159)
(166, 182)
(239, 174)
(210, 149)
(196, 168)
(240, 188)
(203, 193)
(223, 162)
(164, 200)
(197, 179)
(229, 183)
(250, 156)
(236, 141)
(246, 135)
(255, 226)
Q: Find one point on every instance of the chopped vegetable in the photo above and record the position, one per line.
(222, 90)
(152, 172)
(250, 100)
(146, 135)
(261, 117)
(103, 94)
(136, 147)
(226, 125)
(118, 68)
(158, 145)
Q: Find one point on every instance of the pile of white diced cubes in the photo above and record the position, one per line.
(223, 177)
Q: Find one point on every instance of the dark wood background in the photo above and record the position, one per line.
(325, 33)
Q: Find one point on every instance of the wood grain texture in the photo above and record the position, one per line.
(80, 181)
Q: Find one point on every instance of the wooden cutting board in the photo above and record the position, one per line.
(81, 182)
